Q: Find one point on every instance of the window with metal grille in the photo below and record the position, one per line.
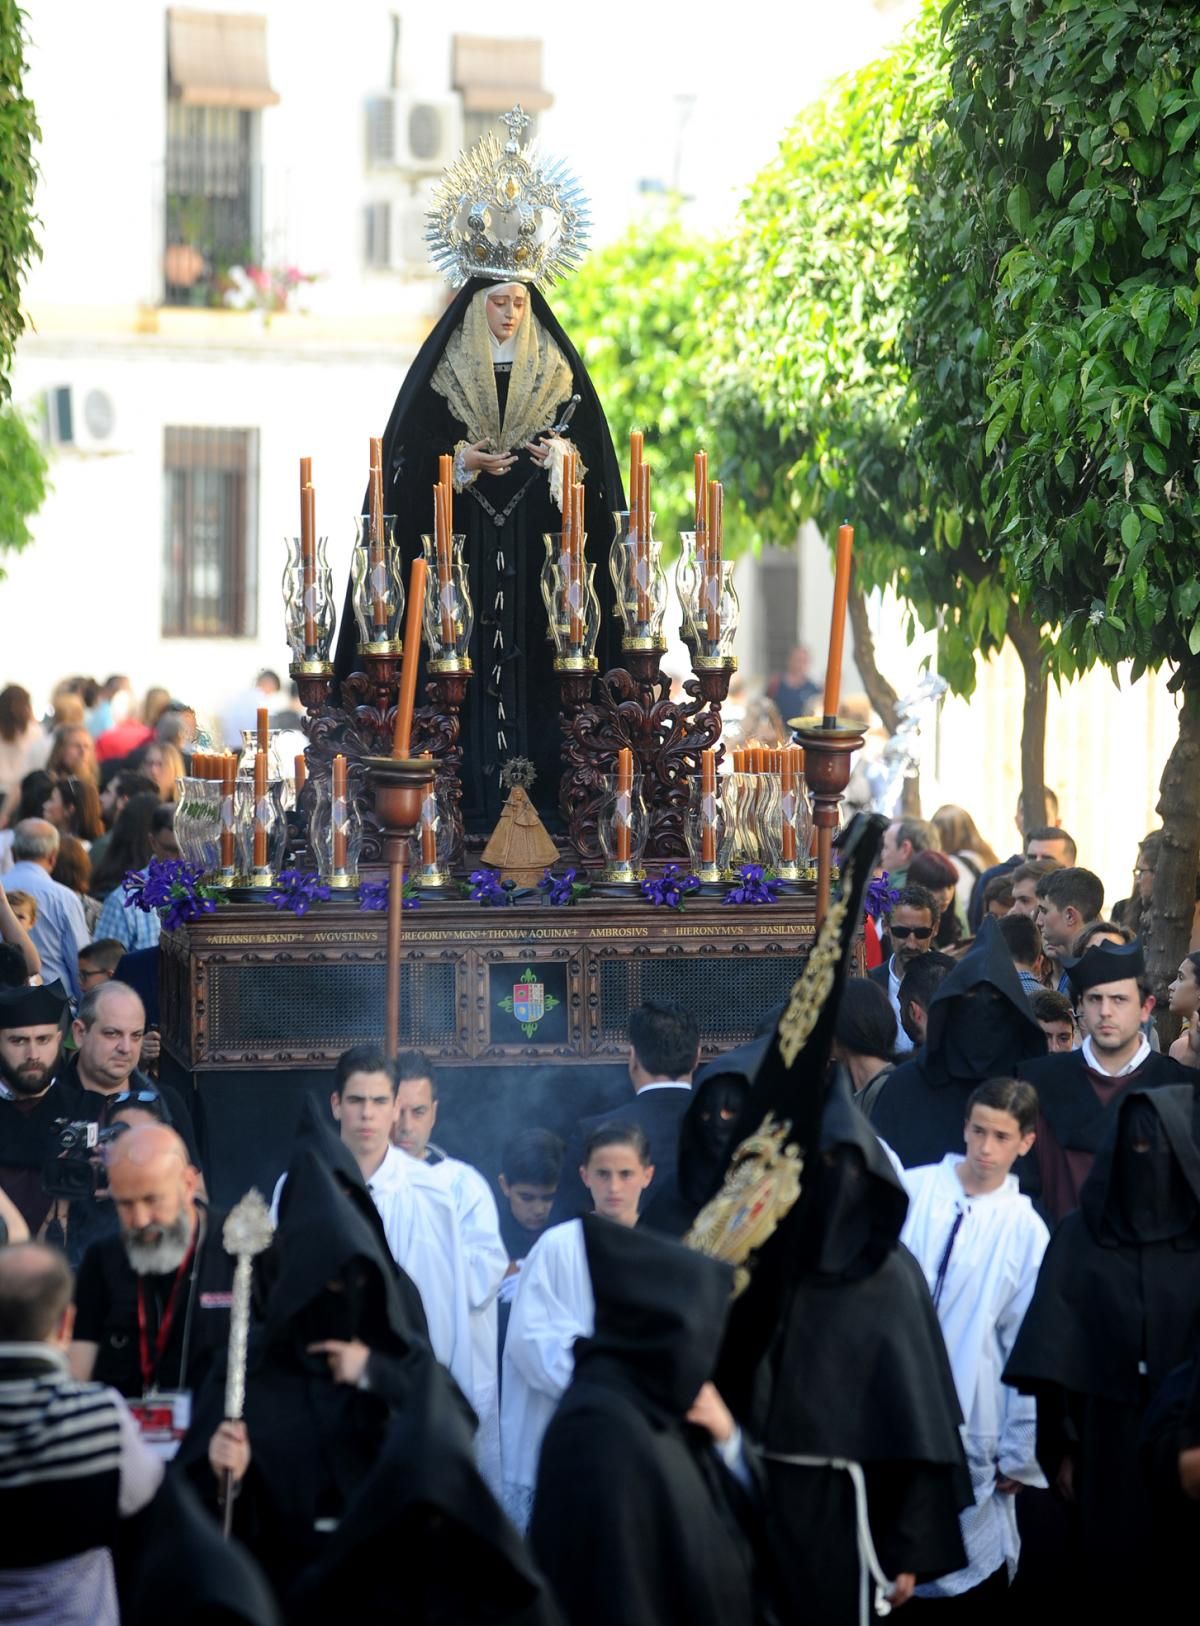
(210, 542)
(213, 201)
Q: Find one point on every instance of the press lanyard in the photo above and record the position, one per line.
(150, 1367)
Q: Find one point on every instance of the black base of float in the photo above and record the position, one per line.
(523, 1010)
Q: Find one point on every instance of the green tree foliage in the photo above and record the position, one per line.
(22, 465)
(637, 312)
(18, 175)
(1077, 124)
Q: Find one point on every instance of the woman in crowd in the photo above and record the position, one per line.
(937, 873)
(73, 808)
(1184, 1001)
(163, 764)
(128, 847)
(966, 849)
(73, 868)
(23, 745)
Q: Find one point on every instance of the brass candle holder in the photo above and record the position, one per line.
(828, 748)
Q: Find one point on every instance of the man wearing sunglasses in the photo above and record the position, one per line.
(911, 927)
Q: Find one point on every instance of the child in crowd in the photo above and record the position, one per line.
(530, 1167)
(25, 908)
(553, 1306)
(980, 1243)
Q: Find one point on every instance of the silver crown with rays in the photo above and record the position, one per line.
(507, 212)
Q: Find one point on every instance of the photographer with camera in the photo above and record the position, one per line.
(152, 1302)
(34, 1103)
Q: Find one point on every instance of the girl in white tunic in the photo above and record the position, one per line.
(553, 1306)
(980, 1243)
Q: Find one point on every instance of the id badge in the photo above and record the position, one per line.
(163, 1419)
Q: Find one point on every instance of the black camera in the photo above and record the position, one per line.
(77, 1169)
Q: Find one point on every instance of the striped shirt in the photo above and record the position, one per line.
(72, 1463)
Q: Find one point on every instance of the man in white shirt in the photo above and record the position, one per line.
(554, 1306)
(483, 1250)
(980, 1244)
(418, 1215)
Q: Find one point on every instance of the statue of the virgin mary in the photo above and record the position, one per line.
(496, 384)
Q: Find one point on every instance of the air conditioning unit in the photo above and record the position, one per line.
(419, 134)
(82, 420)
(395, 234)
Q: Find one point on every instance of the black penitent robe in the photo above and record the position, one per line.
(306, 1508)
(635, 1520)
(857, 1370)
(981, 1026)
(1116, 1308)
(511, 707)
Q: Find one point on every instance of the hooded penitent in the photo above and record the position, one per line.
(452, 395)
(706, 1133)
(635, 1519)
(981, 1026)
(1116, 1308)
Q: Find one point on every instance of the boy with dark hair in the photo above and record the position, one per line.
(554, 1306)
(921, 981)
(1024, 881)
(1068, 900)
(98, 962)
(663, 1040)
(1056, 1018)
(980, 1243)
(530, 1169)
(864, 1039)
(1024, 943)
(998, 896)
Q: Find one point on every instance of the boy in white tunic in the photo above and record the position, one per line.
(980, 1243)
(554, 1306)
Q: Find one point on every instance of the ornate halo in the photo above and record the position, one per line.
(508, 213)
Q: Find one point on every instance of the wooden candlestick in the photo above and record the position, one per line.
(837, 625)
(405, 700)
(827, 753)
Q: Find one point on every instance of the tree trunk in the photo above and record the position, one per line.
(879, 691)
(1174, 901)
(1026, 639)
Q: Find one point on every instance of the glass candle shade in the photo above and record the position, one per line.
(624, 826)
(310, 613)
(635, 565)
(740, 844)
(686, 584)
(335, 835)
(449, 616)
(435, 838)
(251, 814)
(767, 819)
(275, 763)
(378, 590)
(716, 615)
(572, 605)
(704, 831)
(796, 816)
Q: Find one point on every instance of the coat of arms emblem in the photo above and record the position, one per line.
(528, 1002)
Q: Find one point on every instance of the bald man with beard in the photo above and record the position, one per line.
(152, 1302)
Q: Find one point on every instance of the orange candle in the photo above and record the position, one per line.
(712, 575)
(787, 787)
(308, 556)
(264, 731)
(338, 820)
(635, 478)
(260, 797)
(375, 488)
(624, 802)
(428, 833)
(441, 537)
(301, 773)
(228, 770)
(576, 564)
(701, 473)
(405, 700)
(708, 792)
(568, 525)
(837, 625)
(642, 549)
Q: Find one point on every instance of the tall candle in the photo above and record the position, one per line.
(308, 562)
(301, 774)
(787, 788)
(837, 625)
(642, 551)
(577, 626)
(428, 832)
(441, 537)
(708, 794)
(228, 781)
(264, 730)
(712, 569)
(260, 800)
(338, 820)
(624, 802)
(375, 488)
(701, 472)
(405, 700)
